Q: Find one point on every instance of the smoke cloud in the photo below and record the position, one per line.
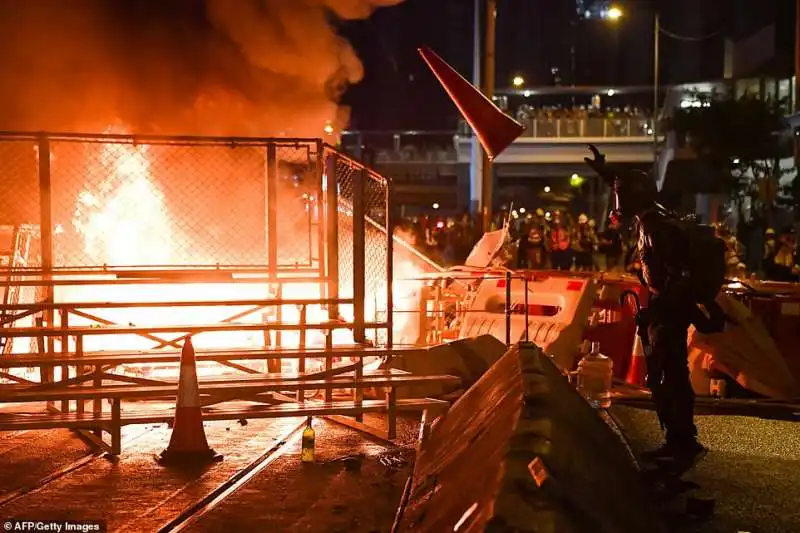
(213, 67)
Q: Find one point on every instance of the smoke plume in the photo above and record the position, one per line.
(218, 67)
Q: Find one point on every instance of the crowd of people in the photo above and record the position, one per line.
(561, 241)
(529, 112)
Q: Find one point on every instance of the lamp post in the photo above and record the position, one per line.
(615, 13)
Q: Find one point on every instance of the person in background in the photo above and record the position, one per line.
(784, 265)
(560, 253)
(523, 244)
(583, 242)
(610, 246)
(537, 252)
(598, 259)
(770, 247)
(734, 251)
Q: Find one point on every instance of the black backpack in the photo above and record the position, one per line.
(705, 261)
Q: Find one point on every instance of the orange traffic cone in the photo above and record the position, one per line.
(637, 371)
(188, 442)
(495, 130)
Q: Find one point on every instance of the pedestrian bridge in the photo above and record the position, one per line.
(564, 140)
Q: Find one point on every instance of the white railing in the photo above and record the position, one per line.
(587, 127)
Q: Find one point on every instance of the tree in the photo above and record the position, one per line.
(739, 141)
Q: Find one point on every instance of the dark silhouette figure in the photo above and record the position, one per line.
(661, 246)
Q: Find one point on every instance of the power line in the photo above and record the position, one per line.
(677, 37)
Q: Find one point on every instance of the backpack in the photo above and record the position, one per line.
(706, 259)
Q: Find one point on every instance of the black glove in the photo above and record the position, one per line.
(597, 161)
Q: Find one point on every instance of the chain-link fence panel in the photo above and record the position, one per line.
(344, 189)
(19, 182)
(298, 191)
(158, 203)
(374, 216)
(20, 228)
(376, 252)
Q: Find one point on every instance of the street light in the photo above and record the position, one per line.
(614, 13)
(518, 81)
(547, 188)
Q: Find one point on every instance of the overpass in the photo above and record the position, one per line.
(430, 167)
(563, 142)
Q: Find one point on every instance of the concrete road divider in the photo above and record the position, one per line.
(468, 359)
(522, 451)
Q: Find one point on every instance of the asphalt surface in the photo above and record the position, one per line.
(752, 470)
(354, 486)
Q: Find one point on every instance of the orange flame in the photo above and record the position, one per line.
(125, 221)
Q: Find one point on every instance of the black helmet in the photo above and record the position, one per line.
(633, 190)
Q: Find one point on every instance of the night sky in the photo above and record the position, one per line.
(534, 36)
(275, 67)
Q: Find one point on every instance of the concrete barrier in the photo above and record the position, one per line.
(521, 451)
(468, 359)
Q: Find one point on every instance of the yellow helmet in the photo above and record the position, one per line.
(540, 212)
(769, 231)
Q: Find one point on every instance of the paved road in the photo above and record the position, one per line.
(752, 469)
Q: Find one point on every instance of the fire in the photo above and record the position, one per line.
(125, 221)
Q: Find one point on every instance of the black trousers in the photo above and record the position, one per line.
(667, 362)
(561, 259)
(583, 260)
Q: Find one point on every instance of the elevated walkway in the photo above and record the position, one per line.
(558, 141)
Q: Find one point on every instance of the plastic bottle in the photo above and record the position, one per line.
(307, 449)
(594, 378)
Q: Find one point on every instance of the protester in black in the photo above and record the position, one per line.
(662, 250)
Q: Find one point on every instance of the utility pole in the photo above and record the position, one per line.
(488, 89)
(476, 151)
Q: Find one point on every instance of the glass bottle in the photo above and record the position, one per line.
(307, 449)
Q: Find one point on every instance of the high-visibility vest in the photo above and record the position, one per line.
(559, 239)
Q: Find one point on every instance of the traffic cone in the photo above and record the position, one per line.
(188, 443)
(495, 130)
(637, 370)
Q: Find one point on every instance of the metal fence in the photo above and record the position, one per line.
(119, 201)
(363, 240)
(110, 201)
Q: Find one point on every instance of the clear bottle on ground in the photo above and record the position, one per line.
(307, 449)
(594, 378)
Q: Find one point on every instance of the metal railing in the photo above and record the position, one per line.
(577, 128)
(588, 127)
